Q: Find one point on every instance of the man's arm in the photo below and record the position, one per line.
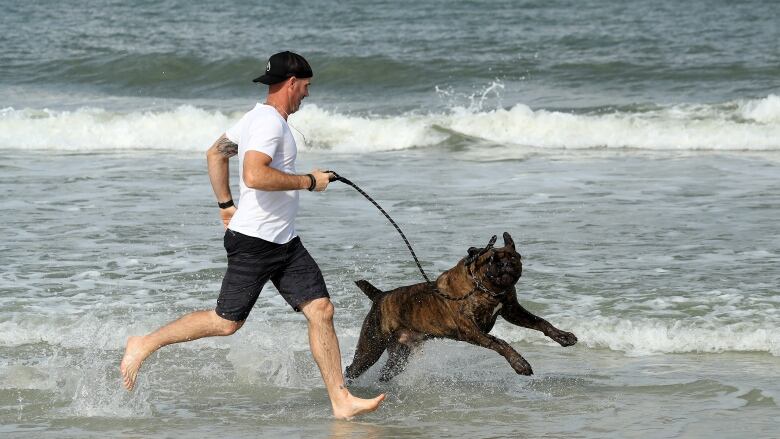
(217, 158)
(258, 174)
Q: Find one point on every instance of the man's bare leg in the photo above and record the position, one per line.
(192, 326)
(325, 350)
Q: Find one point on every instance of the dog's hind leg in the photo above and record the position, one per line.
(370, 346)
(366, 354)
(398, 357)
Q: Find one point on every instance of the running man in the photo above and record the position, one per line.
(260, 237)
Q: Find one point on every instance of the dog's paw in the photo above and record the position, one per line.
(564, 338)
(521, 367)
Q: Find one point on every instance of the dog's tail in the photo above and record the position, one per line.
(371, 291)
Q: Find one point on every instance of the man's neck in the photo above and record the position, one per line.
(280, 108)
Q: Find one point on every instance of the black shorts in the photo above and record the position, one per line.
(252, 261)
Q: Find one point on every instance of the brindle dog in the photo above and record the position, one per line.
(464, 305)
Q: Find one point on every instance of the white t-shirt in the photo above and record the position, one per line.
(269, 215)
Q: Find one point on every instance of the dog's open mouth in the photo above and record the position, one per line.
(505, 273)
(510, 278)
(504, 279)
(507, 279)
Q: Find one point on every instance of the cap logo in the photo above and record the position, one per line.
(268, 66)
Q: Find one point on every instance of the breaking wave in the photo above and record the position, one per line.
(746, 125)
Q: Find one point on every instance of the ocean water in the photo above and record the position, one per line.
(632, 150)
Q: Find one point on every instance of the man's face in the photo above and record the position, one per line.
(299, 89)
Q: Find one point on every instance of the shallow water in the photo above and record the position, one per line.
(665, 266)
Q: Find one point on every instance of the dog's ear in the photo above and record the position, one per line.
(508, 242)
(492, 241)
(473, 255)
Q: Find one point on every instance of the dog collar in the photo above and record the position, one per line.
(478, 285)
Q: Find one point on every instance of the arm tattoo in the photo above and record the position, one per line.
(226, 147)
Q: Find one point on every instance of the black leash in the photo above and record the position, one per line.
(469, 261)
(337, 177)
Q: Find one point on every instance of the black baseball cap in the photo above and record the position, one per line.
(284, 65)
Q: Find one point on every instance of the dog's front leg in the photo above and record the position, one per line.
(514, 313)
(477, 337)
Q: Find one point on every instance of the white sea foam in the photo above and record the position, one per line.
(750, 125)
(662, 336)
(762, 110)
(90, 129)
(634, 336)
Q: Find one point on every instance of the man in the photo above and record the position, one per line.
(260, 236)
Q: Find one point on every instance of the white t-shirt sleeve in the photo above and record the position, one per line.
(264, 136)
(234, 133)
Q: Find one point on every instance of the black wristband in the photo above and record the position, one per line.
(313, 182)
(226, 204)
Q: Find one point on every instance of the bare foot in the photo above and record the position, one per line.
(131, 362)
(352, 406)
